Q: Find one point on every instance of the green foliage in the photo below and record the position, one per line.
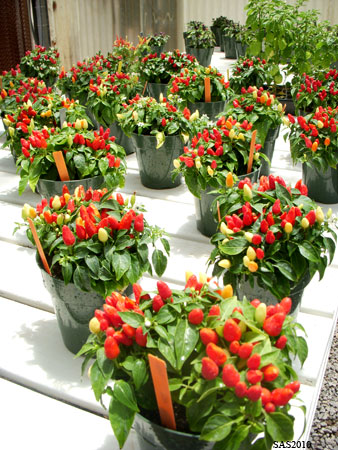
(41, 63)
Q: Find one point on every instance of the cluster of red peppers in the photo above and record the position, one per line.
(322, 88)
(188, 78)
(31, 89)
(250, 62)
(38, 52)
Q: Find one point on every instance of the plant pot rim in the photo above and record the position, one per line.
(167, 136)
(46, 180)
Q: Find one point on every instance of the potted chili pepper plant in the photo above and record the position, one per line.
(91, 158)
(41, 63)
(314, 143)
(105, 99)
(212, 154)
(156, 42)
(189, 85)
(159, 131)
(252, 71)
(156, 70)
(272, 239)
(228, 367)
(94, 242)
(264, 111)
(200, 43)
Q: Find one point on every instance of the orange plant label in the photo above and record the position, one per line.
(159, 375)
(61, 166)
(39, 246)
(252, 149)
(207, 93)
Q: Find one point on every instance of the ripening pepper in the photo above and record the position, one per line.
(68, 236)
(139, 223)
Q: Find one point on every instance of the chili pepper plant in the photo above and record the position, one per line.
(106, 95)
(228, 362)
(189, 85)
(41, 63)
(314, 138)
(86, 153)
(157, 39)
(320, 89)
(215, 152)
(144, 115)
(272, 234)
(200, 36)
(97, 239)
(155, 68)
(252, 71)
(259, 107)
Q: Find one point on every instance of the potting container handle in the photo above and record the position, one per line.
(158, 369)
(61, 166)
(252, 148)
(39, 246)
(207, 94)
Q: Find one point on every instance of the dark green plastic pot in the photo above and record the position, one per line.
(322, 186)
(205, 221)
(121, 139)
(268, 149)
(212, 109)
(73, 308)
(290, 106)
(203, 55)
(155, 89)
(156, 165)
(230, 48)
(157, 49)
(240, 49)
(217, 33)
(151, 436)
(264, 295)
(223, 38)
(49, 188)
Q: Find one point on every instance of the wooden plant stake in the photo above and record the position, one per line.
(159, 375)
(218, 212)
(252, 149)
(39, 246)
(119, 68)
(228, 75)
(144, 89)
(284, 107)
(61, 166)
(207, 94)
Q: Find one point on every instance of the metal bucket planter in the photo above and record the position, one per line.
(223, 38)
(121, 139)
(230, 48)
(151, 436)
(212, 109)
(244, 288)
(322, 186)
(203, 55)
(73, 308)
(156, 165)
(268, 149)
(290, 106)
(205, 221)
(155, 89)
(240, 49)
(49, 188)
(157, 49)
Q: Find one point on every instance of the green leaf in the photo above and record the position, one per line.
(330, 246)
(186, 337)
(125, 395)
(67, 271)
(98, 380)
(196, 413)
(81, 278)
(166, 245)
(165, 315)
(134, 272)
(216, 428)
(93, 263)
(255, 48)
(236, 439)
(121, 263)
(105, 364)
(142, 250)
(121, 419)
(286, 269)
(132, 318)
(168, 353)
(80, 162)
(159, 261)
(233, 247)
(302, 349)
(139, 372)
(279, 426)
(308, 251)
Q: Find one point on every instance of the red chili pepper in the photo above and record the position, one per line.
(119, 199)
(126, 220)
(139, 223)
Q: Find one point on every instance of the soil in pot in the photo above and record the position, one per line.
(156, 165)
(203, 55)
(322, 186)
(268, 149)
(205, 221)
(49, 188)
(244, 288)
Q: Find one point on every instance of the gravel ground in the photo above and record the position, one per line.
(324, 432)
